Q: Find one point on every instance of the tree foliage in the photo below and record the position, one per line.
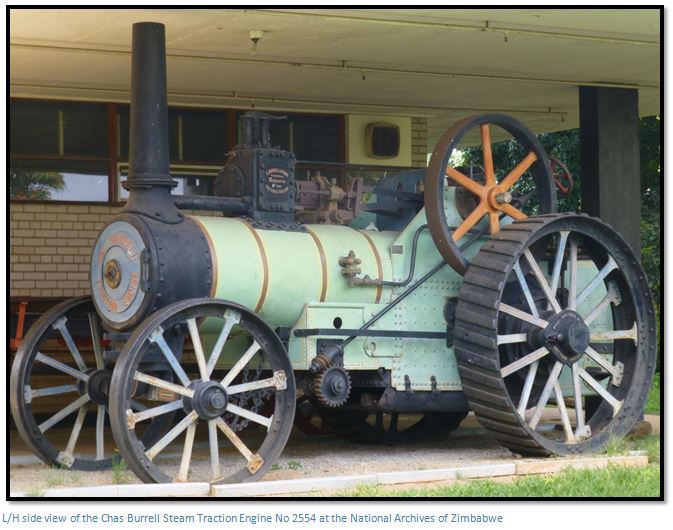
(27, 183)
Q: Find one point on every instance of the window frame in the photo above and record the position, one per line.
(114, 162)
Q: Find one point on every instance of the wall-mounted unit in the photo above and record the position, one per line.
(382, 139)
(379, 140)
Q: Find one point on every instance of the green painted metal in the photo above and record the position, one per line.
(305, 288)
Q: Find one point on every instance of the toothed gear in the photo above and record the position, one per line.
(332, 387)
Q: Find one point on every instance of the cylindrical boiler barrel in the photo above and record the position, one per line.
(275, 272)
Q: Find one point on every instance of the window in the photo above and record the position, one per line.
(192, 180)
(58, 151)
(59, 129)
(194, 135)
(76, 151)
(310, 138)
(58, 180)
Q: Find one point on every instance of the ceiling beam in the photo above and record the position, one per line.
(350, 68)
(486, 27)
(252, 100)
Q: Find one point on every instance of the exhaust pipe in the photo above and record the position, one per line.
(149, 181)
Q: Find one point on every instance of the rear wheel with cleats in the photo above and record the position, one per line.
(555, 335)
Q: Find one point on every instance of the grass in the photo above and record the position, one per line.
(61, 476)
(617, 446)
(119, 472)
(612, 481)
(293, 464)
(652, 445)
(653, 403)
(35, 491)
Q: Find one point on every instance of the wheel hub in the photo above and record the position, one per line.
(113, 273)
(210, 400)
(567, 336)
(98, 386)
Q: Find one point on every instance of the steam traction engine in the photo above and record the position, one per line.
(439, 294)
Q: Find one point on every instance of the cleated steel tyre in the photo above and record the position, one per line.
(555, 335)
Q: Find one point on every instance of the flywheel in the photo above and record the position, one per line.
(555, 335)
(505, 190)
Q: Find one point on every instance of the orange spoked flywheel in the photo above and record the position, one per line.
(494, 199)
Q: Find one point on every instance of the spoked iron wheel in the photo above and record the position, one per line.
(233, 394)
(59, 388)
(504, 192)
(555, 315)
(394, 428)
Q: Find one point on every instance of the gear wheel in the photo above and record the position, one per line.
(332, 387)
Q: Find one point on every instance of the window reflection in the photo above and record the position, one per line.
(58, 180)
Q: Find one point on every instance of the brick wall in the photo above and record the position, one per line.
(51, 245)
(419, 142)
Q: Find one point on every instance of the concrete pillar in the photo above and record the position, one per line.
(610, 158)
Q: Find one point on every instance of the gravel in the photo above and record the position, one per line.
(303, 457)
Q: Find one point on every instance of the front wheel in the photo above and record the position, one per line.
(232, 385)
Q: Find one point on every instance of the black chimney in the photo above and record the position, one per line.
(149, 181)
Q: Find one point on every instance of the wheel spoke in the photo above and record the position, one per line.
(469, 222)
(171, 435)
(62, 327)
(157, 337)
(542, 281)
(160, 383)
(613, 296)
(601, 361)
(278, 381)
(572, 291)
(522, 315)
(76, 429)
(524, 361)
(61, 367)
(245, 413)
(231, 318)
(487, 154)
(518, 171)
(565, 419)
(214, 450)
(558, 261)
(198, 348)
(394, 418)
(138, 406)
(95, 337)
(513, 212)
(512, 338)
(240, 364)
(579, 410)
(135, 417)
(493, 223)
(527, 387)
(31, 394)
(525, 289)
(233, 438)
(465, 181)
(186, 454)
(607, 269)
(616, 334)
(100, 432)
(546, 392)
(64, 412)
(614, 402)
